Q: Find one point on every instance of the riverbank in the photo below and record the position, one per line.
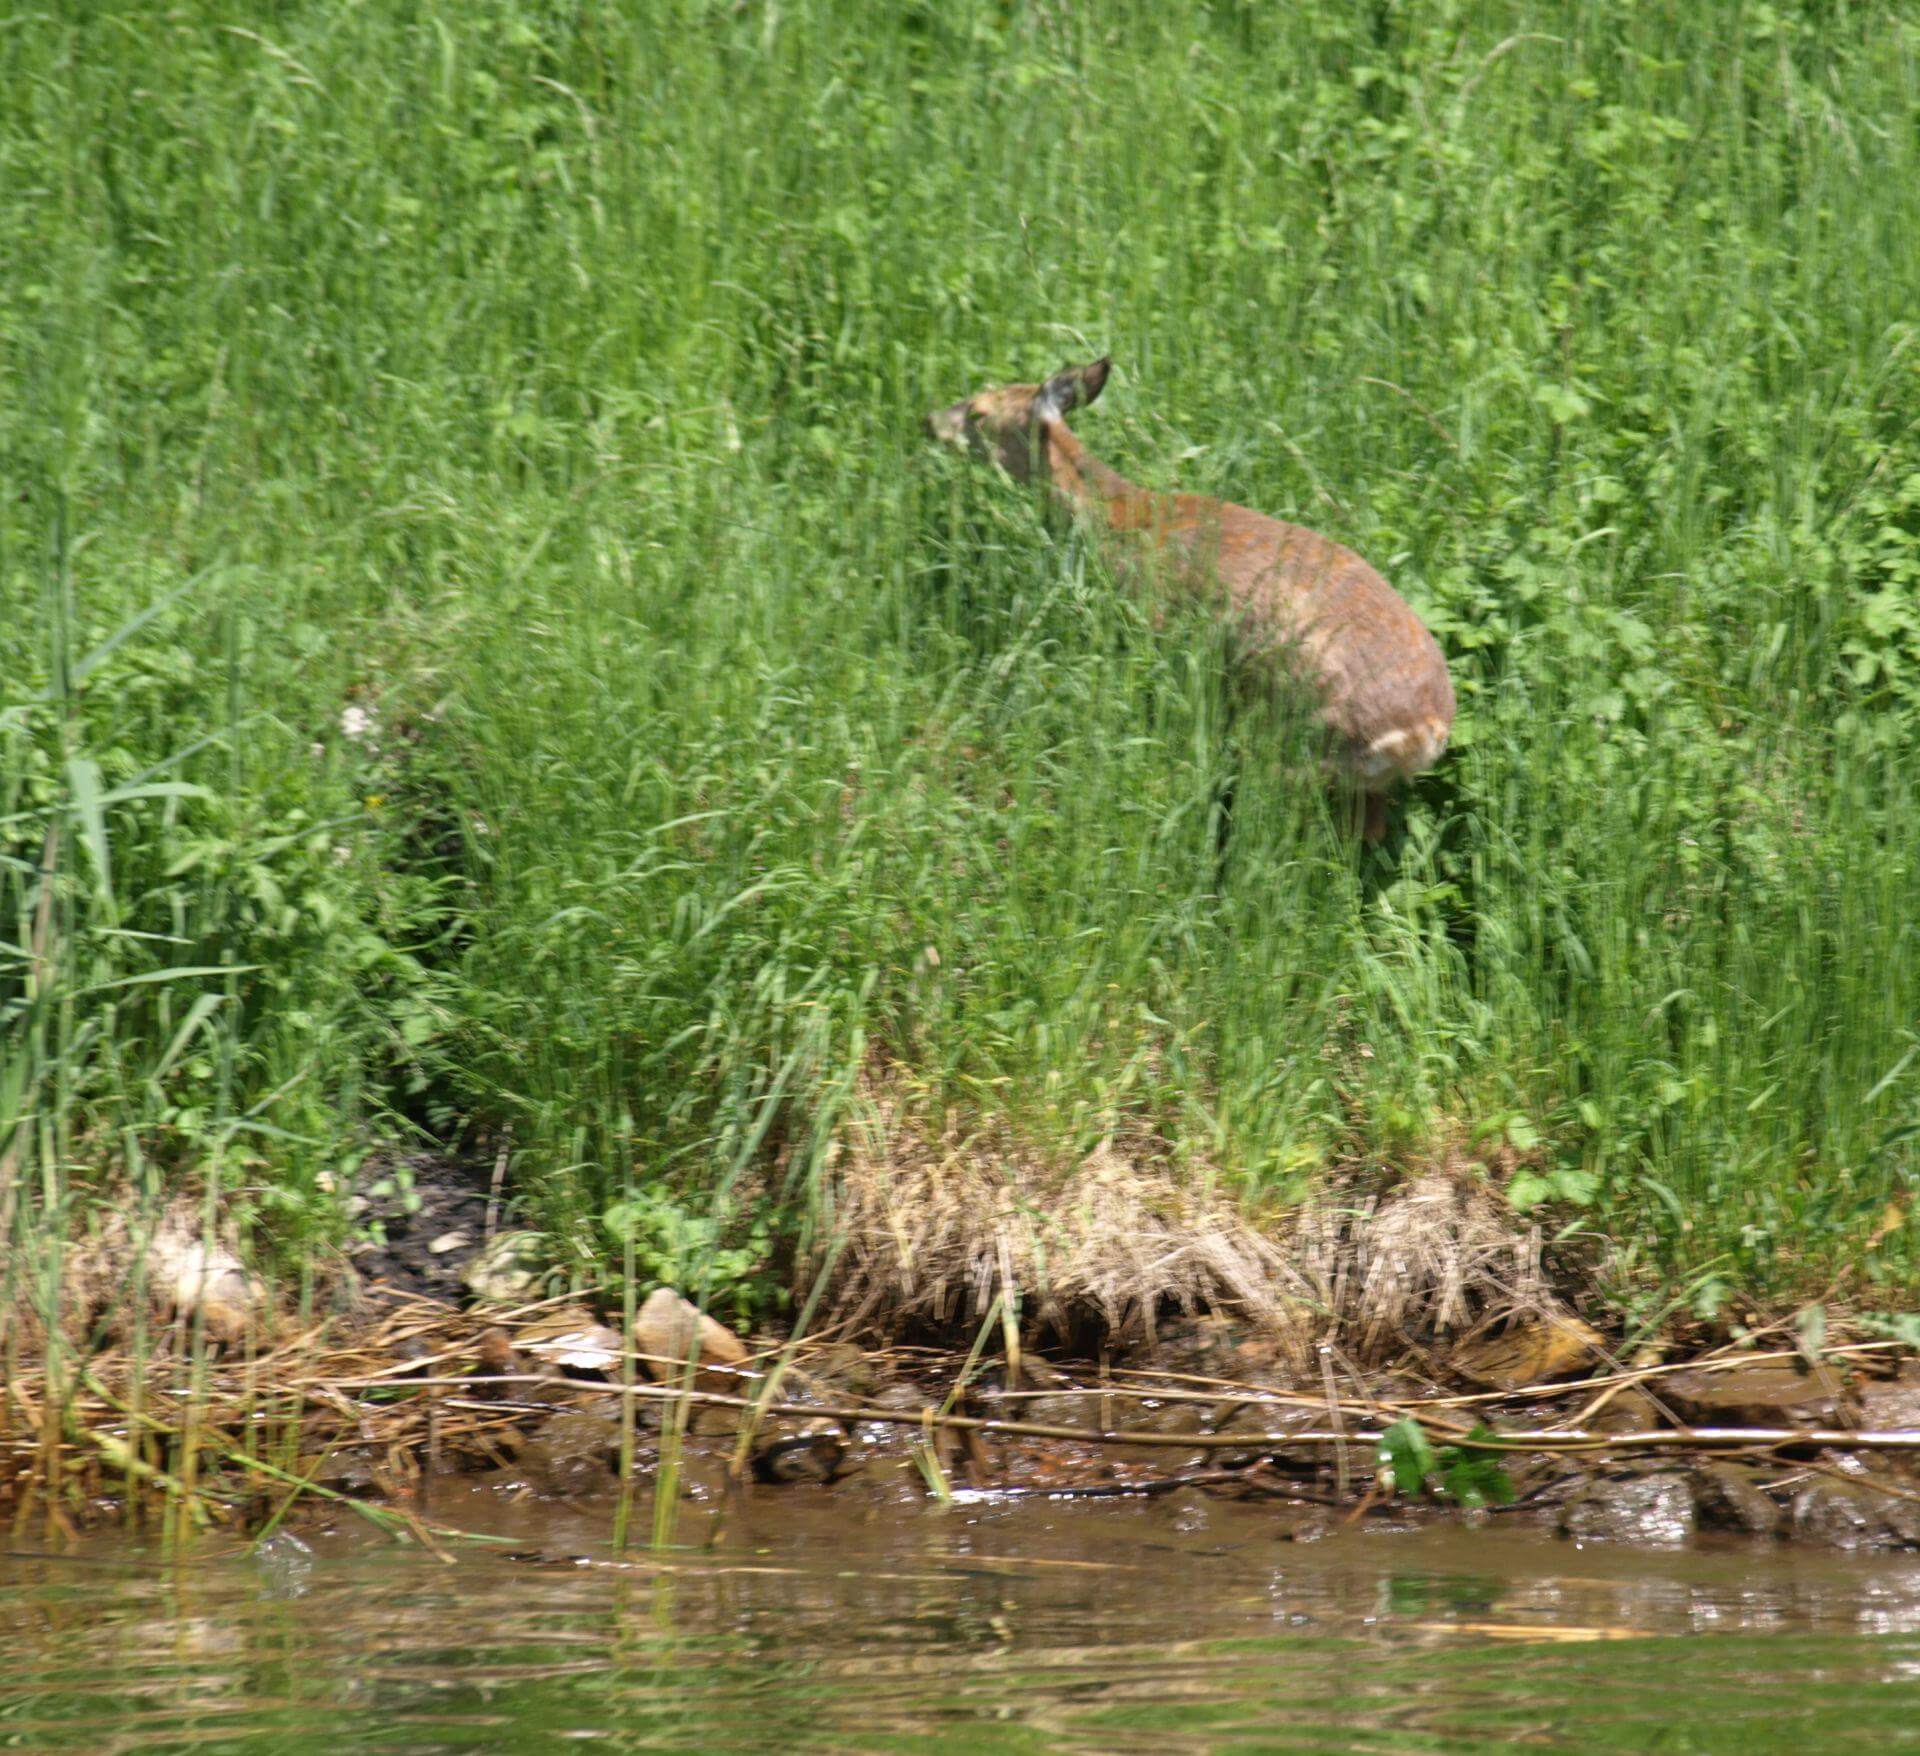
(359, 1415)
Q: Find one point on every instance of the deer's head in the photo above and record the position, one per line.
(1001, 425)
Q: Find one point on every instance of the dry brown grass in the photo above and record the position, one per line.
(247, 1421)
(122, 1279)
(933, 1225)
(1436, 1257)
(936, 1221)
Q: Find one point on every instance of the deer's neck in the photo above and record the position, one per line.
(1078, 477)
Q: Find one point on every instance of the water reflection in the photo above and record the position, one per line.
(827, 1621)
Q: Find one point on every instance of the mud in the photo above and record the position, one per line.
(851, 1425)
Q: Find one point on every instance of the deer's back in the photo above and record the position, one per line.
(1296, 598)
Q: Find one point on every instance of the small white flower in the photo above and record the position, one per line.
(356, 723)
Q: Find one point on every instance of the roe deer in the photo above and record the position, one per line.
(1294, 598)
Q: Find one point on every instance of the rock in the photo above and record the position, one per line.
(1727, 1497)
(1632, 1411)
(667, 1329)
(1782, 1393)
(1890, 1405)
(844, 1366)
(1311, 1525)
(574, 1453)
(572, 1339)
(1211, 1346)
(507, 1271)
(189, 1278)
(793, 1450)
(1840, 1515)
(1536, 1350)
(493, 1357)
(1655, 1511)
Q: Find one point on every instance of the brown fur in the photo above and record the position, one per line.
(1294, 598)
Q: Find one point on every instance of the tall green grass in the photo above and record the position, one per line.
(484, 646)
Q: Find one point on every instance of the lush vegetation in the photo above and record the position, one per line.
(485, 648)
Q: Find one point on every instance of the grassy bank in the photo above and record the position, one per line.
(485, 654)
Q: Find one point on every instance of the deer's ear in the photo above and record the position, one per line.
(1073, 387)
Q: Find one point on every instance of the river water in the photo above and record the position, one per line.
(814, 1619)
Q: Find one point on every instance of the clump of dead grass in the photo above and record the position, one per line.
(129, 1276)
(934, 1224)
(1434, 1258)
(931, 1224)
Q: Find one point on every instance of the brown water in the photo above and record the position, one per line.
(824, 1619)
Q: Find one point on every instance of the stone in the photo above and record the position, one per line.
(1631, 1411)
(1655, 1511)
(1841, 1515)
(1773, 1393)
(667, 1329)
(509, 1270)
(1727, 1497)
(793, 1450)
(574, 1453)
(572, 1339)
(1536, 1350)
(190, 1279)
(1890, 1405)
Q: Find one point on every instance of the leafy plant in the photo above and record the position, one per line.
(1470, 1474)
(675, 1247)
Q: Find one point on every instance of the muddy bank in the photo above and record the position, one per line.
(1409, 1359)
(547, 1402)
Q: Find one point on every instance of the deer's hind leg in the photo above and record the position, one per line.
(1225, 791)
(1367, 815)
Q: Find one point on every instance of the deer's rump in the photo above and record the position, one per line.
(1306, 604)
